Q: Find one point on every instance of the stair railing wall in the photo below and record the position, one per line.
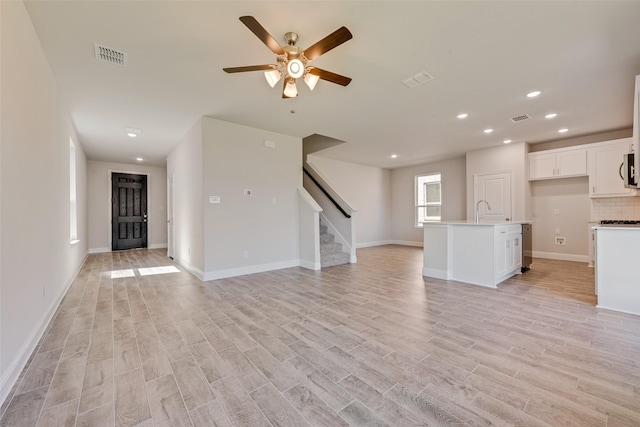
(309, 230)
(342, 227)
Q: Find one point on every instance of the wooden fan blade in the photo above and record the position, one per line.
(334, 39)
(330, 77)
(266, 38)
(266, 67)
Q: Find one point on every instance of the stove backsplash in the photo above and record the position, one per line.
(615, 208)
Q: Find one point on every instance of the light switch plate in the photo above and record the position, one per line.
(214, 199)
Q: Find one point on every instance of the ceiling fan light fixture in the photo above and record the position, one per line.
(311, 80)
(290, 90)
(295, 68)
(272, 76)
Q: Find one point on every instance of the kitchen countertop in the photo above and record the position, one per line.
(472, 222)
(625, 226)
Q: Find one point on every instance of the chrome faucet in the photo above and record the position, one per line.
(478, 206)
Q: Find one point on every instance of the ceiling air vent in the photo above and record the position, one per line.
(107, 54)
(520, 118)
(417, 80)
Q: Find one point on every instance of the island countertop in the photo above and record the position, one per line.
(472, 222)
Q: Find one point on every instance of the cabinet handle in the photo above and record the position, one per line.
(515, 242)
(620, 171)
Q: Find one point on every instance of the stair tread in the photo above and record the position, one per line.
(331, 251)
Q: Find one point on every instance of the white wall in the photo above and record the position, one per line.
(263, 226)
(403, 229)
(99, 186)
(570, 196)
(502, 159)
(184, 166)
(34, 183)
(368, 190)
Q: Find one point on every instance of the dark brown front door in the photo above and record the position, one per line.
(129, 211)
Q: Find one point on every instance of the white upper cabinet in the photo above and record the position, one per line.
(560, 163)
(605, 162)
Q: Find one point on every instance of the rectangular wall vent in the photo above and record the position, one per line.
(107, 54)
(417, 79)
(520, 118)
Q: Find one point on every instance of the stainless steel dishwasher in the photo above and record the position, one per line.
(527, 247)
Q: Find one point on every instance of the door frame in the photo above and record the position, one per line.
(110, 173)
(171, 209)
(511, 173)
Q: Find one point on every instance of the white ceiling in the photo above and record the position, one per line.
(484, 57)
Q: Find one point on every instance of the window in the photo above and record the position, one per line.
(428, 198)
(73, 206)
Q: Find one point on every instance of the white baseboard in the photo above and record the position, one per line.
(371, 244)
(8, 380)
(99, 250)
(158, 246)
(436, 273)
(310, 265)
(406, 243)
(561, 257)
(251, 269)
(190, 268)
(617, 309)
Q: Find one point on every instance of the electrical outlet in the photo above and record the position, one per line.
(560, 241)
(245, 254)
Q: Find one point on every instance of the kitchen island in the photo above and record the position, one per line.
(484, 253)
(617, 272)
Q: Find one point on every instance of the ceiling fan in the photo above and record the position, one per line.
(293, 62)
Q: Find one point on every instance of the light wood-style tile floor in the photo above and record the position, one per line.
(371, 344)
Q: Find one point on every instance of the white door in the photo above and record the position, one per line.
(170, 221)
(495, 189)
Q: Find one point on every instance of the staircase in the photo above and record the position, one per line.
(330, 251)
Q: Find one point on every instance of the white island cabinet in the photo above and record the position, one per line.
(478, 253)
(617, 272)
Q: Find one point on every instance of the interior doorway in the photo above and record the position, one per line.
(129, 211)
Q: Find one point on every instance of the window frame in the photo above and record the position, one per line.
(416, 183)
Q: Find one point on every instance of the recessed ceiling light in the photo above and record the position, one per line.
(462, 116)
(507, 141)
(563, 130)
(533, 94)
(550, 115)
(133, 132)
(139, 159)
(488, 130)
(393, 156)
